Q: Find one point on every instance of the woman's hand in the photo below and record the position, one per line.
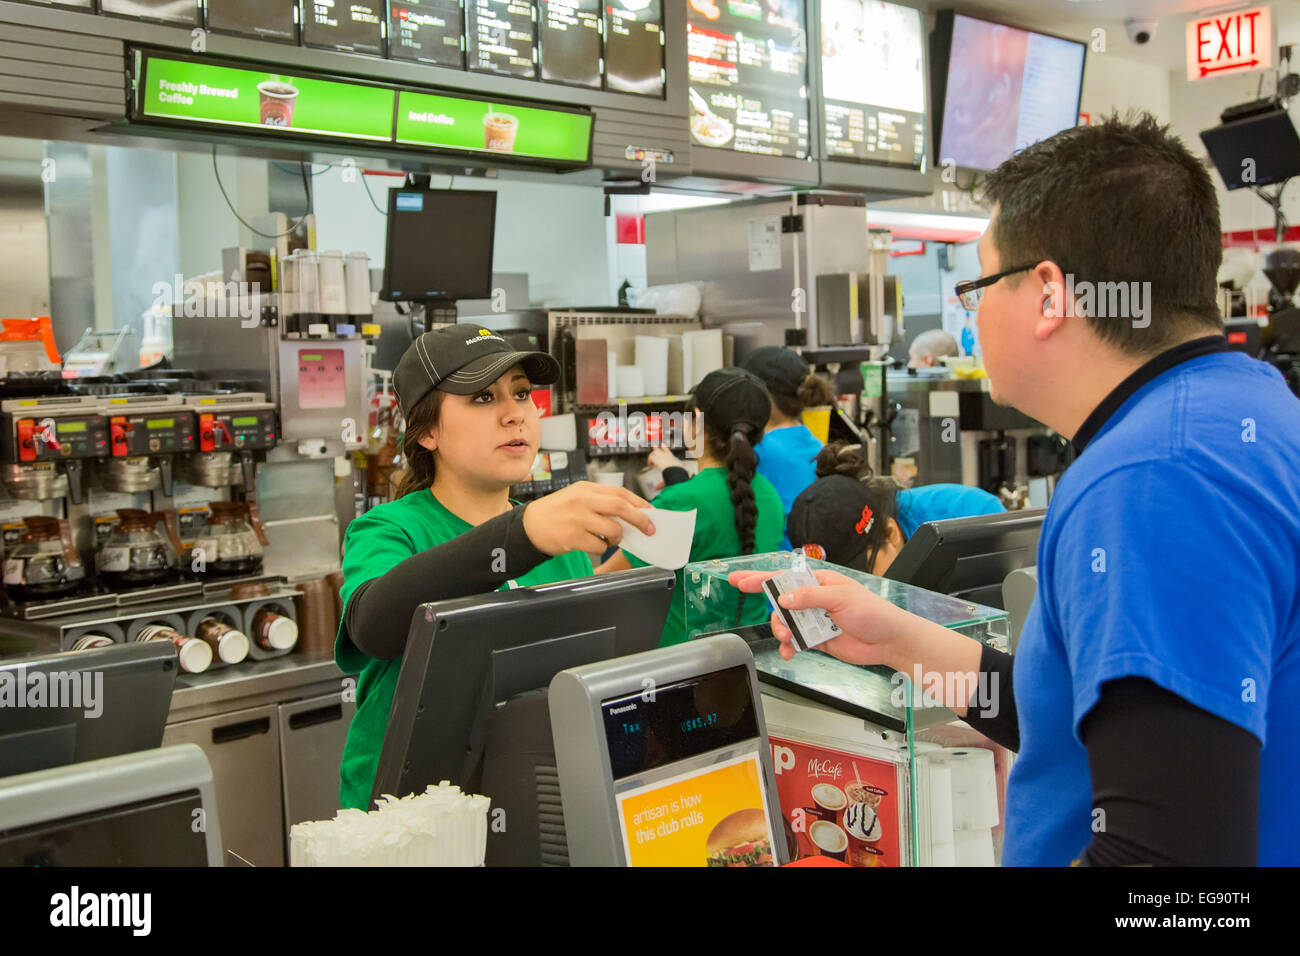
(581, 518)
(663, 459)
(871, 625)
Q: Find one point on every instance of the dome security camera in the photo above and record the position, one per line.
(1141, 30)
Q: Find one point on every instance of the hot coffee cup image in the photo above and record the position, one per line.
(829, 839)
(828, 801)
(277, 100)
(499, 131)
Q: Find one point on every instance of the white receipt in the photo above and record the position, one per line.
(670, 546)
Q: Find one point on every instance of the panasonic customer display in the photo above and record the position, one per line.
(439, 245)
(873, 82)
(663, 759)
(748, 76)
(998, 88)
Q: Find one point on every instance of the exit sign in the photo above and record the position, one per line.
(1229, 43)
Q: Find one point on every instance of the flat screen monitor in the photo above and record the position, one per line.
(471, 693)
(427, 31)
(969, 557)
(1257, 150)
(634, 47)
(568, 34)
(439, 245)
(184, 12)
(998, 88)
(344, 25)
(748, 76)
(262, 19)
(137, 809)
(501, 37)
(60, 709)
(873, 82)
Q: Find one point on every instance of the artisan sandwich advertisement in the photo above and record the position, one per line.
(715, 816)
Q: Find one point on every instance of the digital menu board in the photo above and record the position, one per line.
(430, 31)
(343, 25)
(634, 47)
(500, 37)
(1006, 89)
(747, 62)
(166, 11)
(480, 126)
(568, 32)
(209, 94)
(873, 82)
(263, 19)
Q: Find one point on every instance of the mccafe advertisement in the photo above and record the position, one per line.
(838, 804)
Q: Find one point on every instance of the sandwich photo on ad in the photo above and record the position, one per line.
(741, 839)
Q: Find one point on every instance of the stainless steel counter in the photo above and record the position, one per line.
(253, 683)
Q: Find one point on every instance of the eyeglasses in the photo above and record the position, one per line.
(971, 291)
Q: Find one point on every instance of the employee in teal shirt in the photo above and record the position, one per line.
(861, 521)
(787, 451)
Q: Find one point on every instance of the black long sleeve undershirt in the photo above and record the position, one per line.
(1175, 784)
(379, 611)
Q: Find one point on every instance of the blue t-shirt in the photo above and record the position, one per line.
(787, 458)
(925, 503)
(1171, 552)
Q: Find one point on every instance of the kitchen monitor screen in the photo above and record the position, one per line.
(747, 72)
(873, 82)
(1006, 89)
(343, 25)
(569, 34)
(634, 49)
(429, 31)
(439, 244)
(165, 11)
(263, 19)
(500, 37)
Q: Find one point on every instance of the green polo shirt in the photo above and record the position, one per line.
(376, 542)
(716, 537)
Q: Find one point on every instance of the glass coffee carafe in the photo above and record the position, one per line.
(228, 544)
(137, 553)
(43, 566)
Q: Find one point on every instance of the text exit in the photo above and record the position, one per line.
(1229, 43)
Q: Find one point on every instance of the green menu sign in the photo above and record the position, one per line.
(450, 122)
(229, 96)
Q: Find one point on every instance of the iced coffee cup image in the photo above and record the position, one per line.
(499, 131)
(277, 101)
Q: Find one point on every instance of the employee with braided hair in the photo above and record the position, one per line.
(737, 510)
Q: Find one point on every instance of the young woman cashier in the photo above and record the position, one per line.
(1156, 700)
(471, 432)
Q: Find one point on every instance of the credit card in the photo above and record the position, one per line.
(809, 627)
